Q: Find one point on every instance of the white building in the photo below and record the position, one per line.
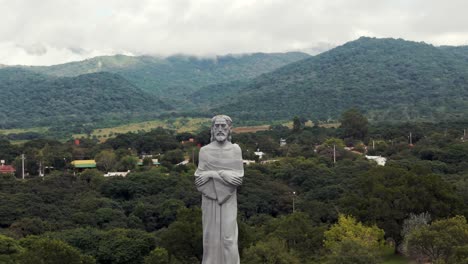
(117, 173)
(379, 159)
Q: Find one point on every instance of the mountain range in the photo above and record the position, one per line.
(175, 76)
(33, 99)
(388, 79)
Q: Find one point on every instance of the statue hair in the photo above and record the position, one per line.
(228, 121)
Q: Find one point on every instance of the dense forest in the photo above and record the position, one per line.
(297, 205)
(390, 79)
(175, 76)
(31, 99)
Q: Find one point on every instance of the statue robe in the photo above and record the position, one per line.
(219, 202)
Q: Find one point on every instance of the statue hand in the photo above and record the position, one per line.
(200, 180)
(213, 174)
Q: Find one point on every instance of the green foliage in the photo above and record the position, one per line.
(176, 75)
(9, 250)
(123, 219)
(354, 124)
(271, 251)
(46, 251)
(128, 163)
(444, 241)
(350, 241)
(386, 195)
(182, 238)
(112, 246)
(35, 99)
(106, 160)
(300, 235)
(157, 256)
(389, 79)
(28, 226)
(172, 157)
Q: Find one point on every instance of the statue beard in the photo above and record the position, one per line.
(220, 137)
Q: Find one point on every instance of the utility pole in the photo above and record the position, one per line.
(22, 163)
(410, 138)
(334, 153)
(294, 201)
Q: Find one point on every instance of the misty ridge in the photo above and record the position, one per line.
(388, 79)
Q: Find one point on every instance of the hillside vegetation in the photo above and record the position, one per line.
(389, 79)
(32, 99)
(313, 202)
(174, 76)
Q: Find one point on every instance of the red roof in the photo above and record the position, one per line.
(7, 169)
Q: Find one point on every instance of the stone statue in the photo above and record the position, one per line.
(220, 171)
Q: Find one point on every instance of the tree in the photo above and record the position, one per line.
(297, 124)
(106, 160)
(444, 241)
(157, 256)
(9, 250)
(28, 226)
(172, 157)
(410, 224)
(43, 250)
(183, 238)
(273, 250)
(349, 241)
(128, 163)
(298, 232)
(386, 195)
(354, 124)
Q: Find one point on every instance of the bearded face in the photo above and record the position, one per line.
(221, 130)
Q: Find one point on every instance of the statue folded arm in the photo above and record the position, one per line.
(218, 178)
(232, 177)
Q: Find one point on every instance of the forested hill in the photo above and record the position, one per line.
(31, 99)
(177, 75)
(390, 79)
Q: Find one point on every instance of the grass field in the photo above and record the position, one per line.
(250, 129)
(177, 124)
(25, 130)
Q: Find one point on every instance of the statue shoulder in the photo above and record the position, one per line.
(236, 148)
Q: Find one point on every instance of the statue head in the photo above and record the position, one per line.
(221, 128)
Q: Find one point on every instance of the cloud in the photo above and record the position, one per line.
(56, 31)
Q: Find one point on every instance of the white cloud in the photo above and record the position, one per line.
(56, 31)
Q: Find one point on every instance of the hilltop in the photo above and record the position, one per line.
(33, 99)
(177, 75)
(390, 79)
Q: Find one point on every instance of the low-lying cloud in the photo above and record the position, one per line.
(54, 31)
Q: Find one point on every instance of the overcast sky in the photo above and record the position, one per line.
(49, 32)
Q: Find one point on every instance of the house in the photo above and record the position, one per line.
(155, 162)
(248, 162)
(6, 168)
(117, 173)
(83, 164)
(379, 159)
(282, 142)
(185, 162)
(259, 153)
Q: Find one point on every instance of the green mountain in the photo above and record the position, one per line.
(389, 79)
(176, 76)
(33, 99)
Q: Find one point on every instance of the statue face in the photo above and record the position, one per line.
(221, 130)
